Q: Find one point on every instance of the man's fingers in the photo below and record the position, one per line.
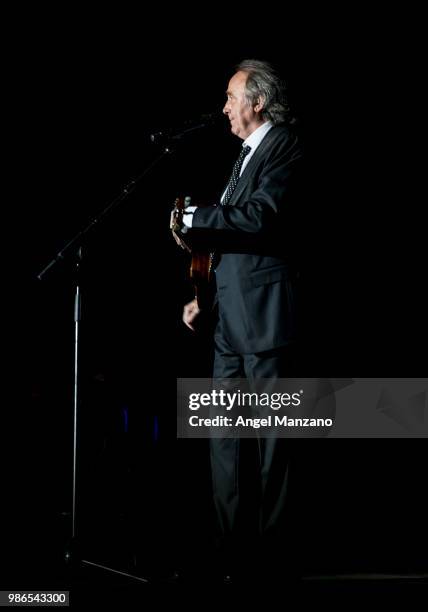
(190, 313)
(187, 320)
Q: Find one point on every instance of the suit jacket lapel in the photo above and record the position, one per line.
(249, 168)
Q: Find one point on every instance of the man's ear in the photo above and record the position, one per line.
(260, 105)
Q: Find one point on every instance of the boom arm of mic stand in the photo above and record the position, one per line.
(77, 240)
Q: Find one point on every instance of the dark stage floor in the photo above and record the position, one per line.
(110, 573)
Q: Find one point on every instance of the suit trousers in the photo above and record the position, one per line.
(250, 477)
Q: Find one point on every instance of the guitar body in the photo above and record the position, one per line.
(200, 276)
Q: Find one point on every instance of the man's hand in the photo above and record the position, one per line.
(190, 313)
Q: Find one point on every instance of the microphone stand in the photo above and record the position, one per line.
(75, 249)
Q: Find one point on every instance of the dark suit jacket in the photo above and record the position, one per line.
(256, 236)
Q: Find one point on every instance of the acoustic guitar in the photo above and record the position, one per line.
(200, 261)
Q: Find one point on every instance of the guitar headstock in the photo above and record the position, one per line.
(179, 204)
(177, 215)
(182, 203)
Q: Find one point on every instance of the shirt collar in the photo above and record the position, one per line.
(255, 138)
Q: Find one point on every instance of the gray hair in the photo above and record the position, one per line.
(264, 82)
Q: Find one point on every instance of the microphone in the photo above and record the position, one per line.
(188, 127)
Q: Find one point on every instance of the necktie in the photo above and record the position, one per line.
(233, 181)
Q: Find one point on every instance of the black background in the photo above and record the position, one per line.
(86, 92)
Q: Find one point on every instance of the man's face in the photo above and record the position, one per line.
(243, 117)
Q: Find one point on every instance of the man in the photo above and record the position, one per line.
(253, 231)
